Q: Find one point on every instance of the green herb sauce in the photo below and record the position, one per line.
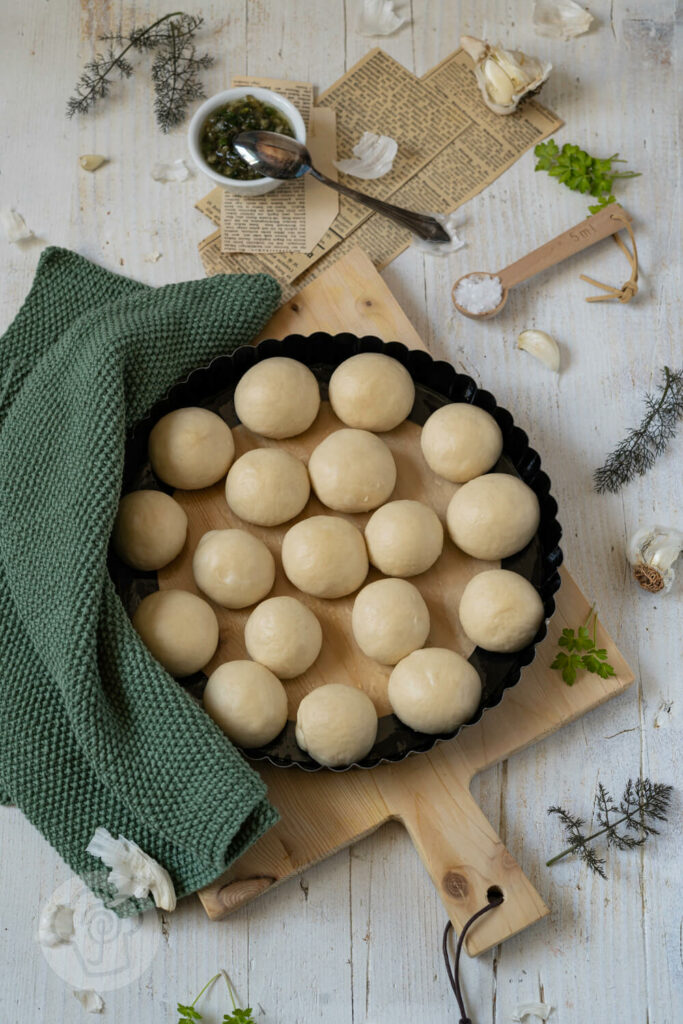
(221, 127)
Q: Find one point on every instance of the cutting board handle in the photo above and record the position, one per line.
(462, 853)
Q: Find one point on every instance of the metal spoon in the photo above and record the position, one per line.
(278, 156)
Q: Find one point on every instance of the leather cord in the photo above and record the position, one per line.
(628, 290)
(454, 971)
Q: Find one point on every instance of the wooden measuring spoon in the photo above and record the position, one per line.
(592, 229)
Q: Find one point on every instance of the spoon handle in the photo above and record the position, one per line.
(420, 224)
(593, 229)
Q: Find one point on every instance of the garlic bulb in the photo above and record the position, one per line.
(652, 552)
(505, 77)
(542, 346)
(133, 872)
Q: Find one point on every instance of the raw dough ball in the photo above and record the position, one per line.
(389, 620)
(178, 628)
(324, 556)
(233, 568)
(191, 448)
(336, 725)
(267, 486)
(149, 530)
(461, 441)
(500, 611)
(404, 538)
(371, 391)
(434, 690)
(493, 517)
(352, 471)
(247, 701)
(284, 635)
(278, 397)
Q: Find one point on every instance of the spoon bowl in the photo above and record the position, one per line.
(478, 275)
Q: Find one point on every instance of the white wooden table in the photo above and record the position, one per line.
(357, 940)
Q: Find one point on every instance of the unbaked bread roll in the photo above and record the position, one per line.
(500, 611)
(434, 690)
(461, 441)
(149, 529)
(279, 397)
(267, 486)
(404, 538)
(324, 556)
(371, 391)
(493, 516)
(178, 628)
(191, 448)
(336, 725)
(352, 471)
(247, 701)
(233, 568)
(389, 620)
(284, 635)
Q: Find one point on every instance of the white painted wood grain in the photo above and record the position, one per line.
(357, 942)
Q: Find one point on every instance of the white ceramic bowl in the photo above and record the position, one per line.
(256, 186)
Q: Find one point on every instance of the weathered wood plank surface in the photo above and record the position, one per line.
(357, 940)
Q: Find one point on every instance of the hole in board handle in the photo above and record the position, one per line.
(494, 894)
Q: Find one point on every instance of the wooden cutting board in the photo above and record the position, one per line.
(429, 793)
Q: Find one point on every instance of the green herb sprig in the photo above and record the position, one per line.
(636, 453)
(580, 653)
(175, 68)
(190, 1014)
(580, 171)
(642, 803)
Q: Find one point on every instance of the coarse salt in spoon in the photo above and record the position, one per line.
(480, 295)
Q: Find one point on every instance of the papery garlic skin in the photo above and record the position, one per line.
(56, 924)
(447, 222)
(14, 225)
(560, 19)
(91, 1001)
(378, 18)
(133, 872)
(505, 77)
(373, 157)
(542, 346)
(652, 552)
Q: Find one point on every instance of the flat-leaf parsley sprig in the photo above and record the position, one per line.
(190, 1014)
(175, 68)
(580, 653)
(580, 171)
(636, 453)
(642, 803)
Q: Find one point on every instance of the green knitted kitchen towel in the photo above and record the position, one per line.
(93, 730)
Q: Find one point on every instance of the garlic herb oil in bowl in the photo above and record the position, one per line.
(225, 115)
(227, 121)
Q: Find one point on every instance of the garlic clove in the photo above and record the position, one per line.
(652, 552)
(91, 161)
(505, 77)
(542, 346)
